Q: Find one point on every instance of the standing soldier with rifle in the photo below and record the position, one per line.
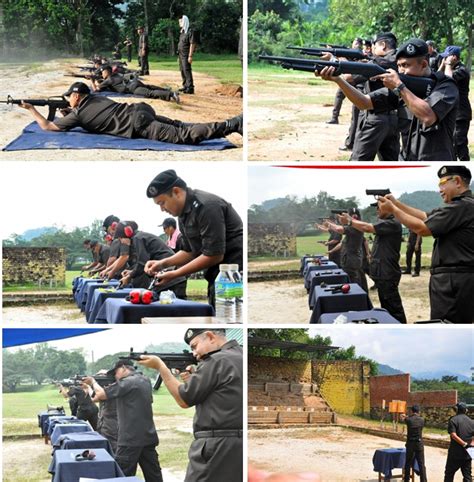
(215, 389)
(143, 51)
(186, 47)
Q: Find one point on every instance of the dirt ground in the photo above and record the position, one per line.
(336, 454)
(43, 314)
(287, 300)
(287, 117)
(212, 102)
(17, 467)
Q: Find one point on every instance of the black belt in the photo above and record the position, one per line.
(218, 433)
(452, 269)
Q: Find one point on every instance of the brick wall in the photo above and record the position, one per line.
(276, 239)
(345, 385)
(389, 387)
(279, 369)
(29, 265)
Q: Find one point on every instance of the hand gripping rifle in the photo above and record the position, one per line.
(53, 103)
(420, 86)
(177, 361)
(353, 54)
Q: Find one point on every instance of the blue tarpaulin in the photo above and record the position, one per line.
(33, 137)
(25, 336)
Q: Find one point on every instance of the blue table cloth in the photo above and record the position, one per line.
(379, 314)
(123, 479)
(65, 468)
(91, 288)
(307, 257)
(64, 428)
(384, 460)
(332, 276)
(51, 422)
(310, 267)
(43, 416)
(81, 291)
(84, 440)
(328, 302)
(120, 311)
(98, 299)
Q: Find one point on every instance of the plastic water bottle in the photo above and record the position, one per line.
(238, 290)
(225, 299)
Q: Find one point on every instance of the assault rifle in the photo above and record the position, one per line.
(76, 380)
(420, 86)
(89, 76)
(377, 192)
(177, 361)
(333, 46)
(54, 103)
(337, 52)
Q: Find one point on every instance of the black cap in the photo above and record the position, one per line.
(461, 407)
(79, 88)
(458, 170)
(109, 220)
(192, 333)
(121, 363)
(164, 182)
(415, 47)
(169, 222)
(106, 67)
(415, 409)
(386, 36)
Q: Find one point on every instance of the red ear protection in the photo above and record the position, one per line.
(128, 231)
(114, 225)
(140, 297)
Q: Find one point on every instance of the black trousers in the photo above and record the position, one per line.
(144, 66)
(453, 464)
(350, 139)
(460, 139)
(415, 450)
(357, 275)
(390, 298)
(129, 54)
(377, 135)
(186, 72)
(451, 297)
(338, 100)
(148, 125)
(152, 93)
(129, 458)
(335, 258)
(410, 252)
(90, 416)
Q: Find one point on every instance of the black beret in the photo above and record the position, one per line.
(461, 407)
(457, 170)
(109, 220)
(192, 333)
(414, 47)
(163, 183)
(385, 36)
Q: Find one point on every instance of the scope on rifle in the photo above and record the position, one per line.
(377, 192)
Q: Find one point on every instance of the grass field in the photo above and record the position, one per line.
(195, 286)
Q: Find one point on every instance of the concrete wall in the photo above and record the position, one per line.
(29, 265)
(345, 385)
(276, 239)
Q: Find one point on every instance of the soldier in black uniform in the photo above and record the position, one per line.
(215, 389)
(367, 48)
(429, 136)
(384, 260)
(351, 250)
(461, 431)
(186, 46)
(137, 437)
(113, 269)
(175, 238)
(415, 449)
(86, 408)
(433, 55)
(414, 247)
(141, 247)
(101, 253)
(121, 84)
(452, 226)
(211, 228)
(452, 66)
(143, 51)
(333, 241)
(128, 44)
(101, 115)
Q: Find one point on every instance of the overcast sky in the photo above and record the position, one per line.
(409, 348)
(270, 182)
(73, 194)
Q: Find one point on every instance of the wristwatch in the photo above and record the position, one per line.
(398, 90)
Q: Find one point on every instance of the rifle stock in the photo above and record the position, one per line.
(420, 86)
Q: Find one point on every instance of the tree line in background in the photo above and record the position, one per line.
(274, 24)
(83, 27)
(464, 388)
(34, 367)
(60, 238)
(301, 335)
(307, 211)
